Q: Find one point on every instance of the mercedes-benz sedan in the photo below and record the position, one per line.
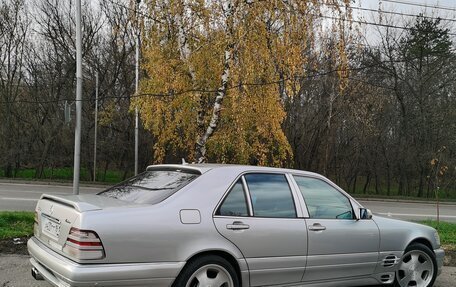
(226, 226)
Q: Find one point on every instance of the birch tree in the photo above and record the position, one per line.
(218, 76)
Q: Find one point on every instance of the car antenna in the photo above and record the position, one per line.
(184, 162)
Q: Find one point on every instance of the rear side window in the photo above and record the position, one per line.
(234, 203)
(271, 195)
(151, 186)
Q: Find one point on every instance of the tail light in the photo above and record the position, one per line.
(83, 244)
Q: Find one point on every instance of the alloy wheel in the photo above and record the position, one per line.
(210, 275)
(416, 269)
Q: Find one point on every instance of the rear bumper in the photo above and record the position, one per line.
(439, 255)
(61, 271)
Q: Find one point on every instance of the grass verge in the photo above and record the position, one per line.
(66, 174)
(447, 231)
(16, 224)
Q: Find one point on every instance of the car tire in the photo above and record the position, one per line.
(417, 264)
(208, 269)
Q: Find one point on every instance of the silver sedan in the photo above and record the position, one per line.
(226, 226)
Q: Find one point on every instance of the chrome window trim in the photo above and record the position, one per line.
(247, 196)
(302, 211)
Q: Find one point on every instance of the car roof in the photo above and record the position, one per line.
(205, 167)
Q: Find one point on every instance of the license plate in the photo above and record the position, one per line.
(50, 227)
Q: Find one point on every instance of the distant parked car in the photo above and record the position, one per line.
(226, 226)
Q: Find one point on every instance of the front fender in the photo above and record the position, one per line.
(396, 235)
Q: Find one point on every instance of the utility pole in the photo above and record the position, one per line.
(137, 88)
(96, 126)
(77, 133)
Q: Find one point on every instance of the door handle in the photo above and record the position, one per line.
(317, 227)
(237, 225)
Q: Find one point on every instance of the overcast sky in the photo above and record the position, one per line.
(433, 9)
(374, 3)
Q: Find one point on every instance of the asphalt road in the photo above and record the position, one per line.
(15, 272)
(23, 196)
(411, 210)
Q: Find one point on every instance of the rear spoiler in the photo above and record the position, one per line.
(183, 167)
(71, 201)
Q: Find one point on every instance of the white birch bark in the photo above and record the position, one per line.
(182, 41)
(222, 90)
(185, 52)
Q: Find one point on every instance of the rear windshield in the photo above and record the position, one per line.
(151, 186)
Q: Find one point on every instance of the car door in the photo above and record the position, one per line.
(259, 216)
(340, 246)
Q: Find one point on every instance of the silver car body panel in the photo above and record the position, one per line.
(269, 262)
(406, 232)
(333, 256)
(165, 235)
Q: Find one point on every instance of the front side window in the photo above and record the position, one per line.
(323, 201)
(151, 186)
(234, 203)
(271, 195)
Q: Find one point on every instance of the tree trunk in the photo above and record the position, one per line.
(354, 183)
(388, 180)
(377, 189)
(105, 170)
(366, 184)
(221, 93)
(200, 146)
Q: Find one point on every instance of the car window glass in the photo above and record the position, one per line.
(151, 186)
(271, 195)
(323, 200)
(234, 203)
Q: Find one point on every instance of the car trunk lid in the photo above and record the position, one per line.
(57, 214)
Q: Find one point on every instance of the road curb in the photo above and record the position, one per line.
(405, 201)
(57, 183)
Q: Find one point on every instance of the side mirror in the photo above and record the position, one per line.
(365, 213)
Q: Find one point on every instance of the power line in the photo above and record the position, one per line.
(421, 5)
(134, 10)
(179, 93)
(398, 13)
(376, 24)
(336, 18)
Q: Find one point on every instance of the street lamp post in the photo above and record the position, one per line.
(96, 127)
(137, 88)
(77, 133)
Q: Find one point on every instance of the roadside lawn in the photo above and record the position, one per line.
(447, 231)
(66, 174)
(16, 224)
